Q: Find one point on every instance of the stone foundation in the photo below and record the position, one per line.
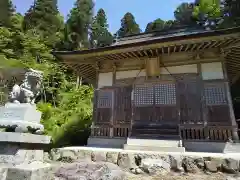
(21, 156)
(150, 162)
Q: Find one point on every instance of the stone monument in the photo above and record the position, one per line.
(21, 137)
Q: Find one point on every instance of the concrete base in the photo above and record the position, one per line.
(106, 142)
(153, 145)
(232, 148)
(14, 154)
(33, 171)
(214, 147)
(21, 148)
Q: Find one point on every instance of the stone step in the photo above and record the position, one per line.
(156, 131)
(155, 136)
(154, 148)
(152, 142)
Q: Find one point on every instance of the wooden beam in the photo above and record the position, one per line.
(97, 68)
(114, 73)
(194, 45)
(233, 45)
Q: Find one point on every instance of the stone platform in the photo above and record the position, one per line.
(164, 145)
(136, 144)
(153, 145)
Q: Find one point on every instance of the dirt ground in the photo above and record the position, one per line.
(172, 176)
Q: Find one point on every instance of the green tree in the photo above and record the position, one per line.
(29, 48)
(156, 25)
(208, 12)
(184, 14)
(232, 13)
(128, 26)
(79, 23)
(6, 11)
(100, 36)
(43, 16)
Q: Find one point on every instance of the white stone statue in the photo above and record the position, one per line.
(20, 113)
(29, 89)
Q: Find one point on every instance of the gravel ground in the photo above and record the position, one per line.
(172, 176)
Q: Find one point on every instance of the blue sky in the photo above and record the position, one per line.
(143, 10)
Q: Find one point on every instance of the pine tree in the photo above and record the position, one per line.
(184, 14)
(128, 26)
(100, 36)
(156, 25)
(79, 23)
(6, 11)
(232, 12)
(43, 16)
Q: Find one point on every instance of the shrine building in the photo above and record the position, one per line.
(162, 90)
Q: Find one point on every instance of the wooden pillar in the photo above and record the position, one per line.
(95, 98)
(114, 68)
(97, 74)
(203, 103)
(230, 104)
(79, 81)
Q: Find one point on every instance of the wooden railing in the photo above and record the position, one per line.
(108, 132)
(100, 132)
(211, 133)
(121, 132)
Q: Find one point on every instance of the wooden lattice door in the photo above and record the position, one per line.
(123, 106)
(103, 106)
(189, 99)
(155, 109)
(216, 104)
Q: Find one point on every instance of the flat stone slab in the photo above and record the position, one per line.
(24, 138)
(154, 148)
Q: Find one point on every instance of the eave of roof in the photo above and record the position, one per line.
(158, 39)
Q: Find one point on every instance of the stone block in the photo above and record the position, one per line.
(126, 160)
(176, 162)
(230, 165)
(155, 166)
(112, 157)
(20, 115)
(153, 145)
(12, 154)
(98, 156)
(15, 137)
(189, 165)
(84, 154)
(106, 142)
(3, 173)
(33, 171)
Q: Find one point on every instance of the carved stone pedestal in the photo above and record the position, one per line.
(21, 118)
(21, 156)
